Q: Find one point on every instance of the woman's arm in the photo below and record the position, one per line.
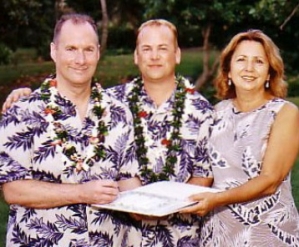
(278, 161)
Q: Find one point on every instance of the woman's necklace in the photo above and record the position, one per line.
(172, 142)
(58, 132)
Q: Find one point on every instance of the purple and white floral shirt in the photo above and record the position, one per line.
(26, 153)
(193, 161)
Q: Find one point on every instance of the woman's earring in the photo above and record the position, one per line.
(229, 82)
(267, 84)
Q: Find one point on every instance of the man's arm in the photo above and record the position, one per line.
(39, 194)
(14, 96)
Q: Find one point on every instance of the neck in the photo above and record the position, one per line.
(75, 93)
(78, 94)
(248, 102)
(160, 92)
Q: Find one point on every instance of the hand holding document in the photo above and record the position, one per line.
(156, 199)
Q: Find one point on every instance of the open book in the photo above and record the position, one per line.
(156, 199)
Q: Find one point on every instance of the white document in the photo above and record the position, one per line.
(156, 199)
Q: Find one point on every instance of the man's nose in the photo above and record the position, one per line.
(80, 57)
(155, 54)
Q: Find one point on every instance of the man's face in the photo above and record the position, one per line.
(75, 53)
(156, 54)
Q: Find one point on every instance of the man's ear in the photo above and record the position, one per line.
(135, 57)
(53, 51)
(178, 56)
(99, 52)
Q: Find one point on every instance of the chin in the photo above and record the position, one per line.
(81, 79)
(155, 76)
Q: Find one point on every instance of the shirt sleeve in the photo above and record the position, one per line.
(15, 145)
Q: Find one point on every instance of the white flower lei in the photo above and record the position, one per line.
(70, 156)
(171, 143)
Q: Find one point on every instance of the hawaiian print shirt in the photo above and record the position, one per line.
(26, 153)
(177, 229)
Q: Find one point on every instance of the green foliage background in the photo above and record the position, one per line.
(29, 23)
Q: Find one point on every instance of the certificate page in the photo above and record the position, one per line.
(156, 199)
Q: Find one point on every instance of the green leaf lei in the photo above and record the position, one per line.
(59, 136)
(173, 144)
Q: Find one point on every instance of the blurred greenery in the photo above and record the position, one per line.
(295, 100)
(112, 69)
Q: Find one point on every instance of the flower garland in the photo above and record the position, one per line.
(59, 135)
(173, 140)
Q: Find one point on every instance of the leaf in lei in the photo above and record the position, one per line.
(172, 144)
(60, 137)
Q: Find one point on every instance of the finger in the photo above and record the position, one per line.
(12, 97)
(27, 91)
(111, 191)
(196, 197)
(4, 108)
(15, 98)
(20, 92)
(136, 216)
(109, 183)
(103, 201)
(8, 103)
(191, 209)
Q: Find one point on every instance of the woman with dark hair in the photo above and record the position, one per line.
(253, 148)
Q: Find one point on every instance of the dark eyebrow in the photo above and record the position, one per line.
(145, 46)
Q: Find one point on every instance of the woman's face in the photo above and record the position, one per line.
(249, 66)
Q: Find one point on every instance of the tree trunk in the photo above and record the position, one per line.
(105, 22)
(207, 72)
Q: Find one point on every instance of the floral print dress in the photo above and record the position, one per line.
(178, 230)
(27, 152)
(238, 144)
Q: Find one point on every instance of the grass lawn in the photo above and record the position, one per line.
(111, 71)
(3, 220)
(295, 182)
(295, 100)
